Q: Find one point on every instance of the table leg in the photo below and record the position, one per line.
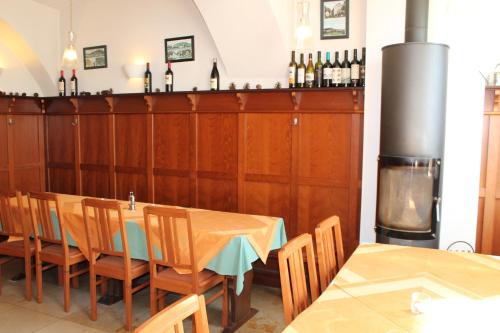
(240, 310)
(114, 293)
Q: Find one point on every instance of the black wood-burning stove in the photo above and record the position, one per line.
(414, 76)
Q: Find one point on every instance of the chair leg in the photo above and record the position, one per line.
(66, 282)
(225, 304)
(93, 295)
(153, 303)
(39, 290)
(28, 272)
(127, 297)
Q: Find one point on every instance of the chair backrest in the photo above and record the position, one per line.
(293, 277)
(106, 215)
(173, 229)
(45, 228)
(12, 219)
(329, 249)
(170, 319)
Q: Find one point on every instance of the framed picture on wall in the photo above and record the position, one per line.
(95, 57)
(334, 19)
(179, 49)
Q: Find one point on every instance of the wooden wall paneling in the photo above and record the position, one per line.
(482, 179)
(130, 146)
(26, 145)
(267, 160)
(323, 171)
(149, 149)
(172, 158)
(491, 219)
(217, 161)
(4, 153)
(355, 169)
(217, 151)
(96, 165)
(171, 138)
(60, 127)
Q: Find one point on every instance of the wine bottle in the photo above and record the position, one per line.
(346, 71)
(74, 84)
(148, 84)
(214, 77)
(362, 68)
(301, 72)
(336, 72)
(292, 72)
(318, 71)
(310, 72)
(169, 78)
(355, 69)
(327, 72)
(61, 85)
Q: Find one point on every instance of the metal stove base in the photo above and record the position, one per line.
(431, 244)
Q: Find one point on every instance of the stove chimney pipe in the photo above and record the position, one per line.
(417, 14)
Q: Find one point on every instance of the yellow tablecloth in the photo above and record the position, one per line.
(212, 230)
(372, 293)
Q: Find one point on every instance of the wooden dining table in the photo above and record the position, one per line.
(376, 288)
(227, 243)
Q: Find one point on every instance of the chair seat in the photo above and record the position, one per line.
(169, 279)
(55, 254)
(15, 248)
(114, 267)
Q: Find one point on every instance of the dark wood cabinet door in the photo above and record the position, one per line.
(27, 153)
(4, 154)
(131, 156)
(61, 155)
(171, 163)
(217, 161)
(95, 155)
(267, 165)
(324, 172)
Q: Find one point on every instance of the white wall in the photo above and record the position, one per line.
(38, 27)
(384, 26)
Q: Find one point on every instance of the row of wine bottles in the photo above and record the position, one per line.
(61, 84)
(169, 78)
(328, 74)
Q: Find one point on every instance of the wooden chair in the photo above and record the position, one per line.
(293, 277)
(329, 249)
(162, 270)
(106, 258)
(51, 244)
(15, 226)
(170, 319)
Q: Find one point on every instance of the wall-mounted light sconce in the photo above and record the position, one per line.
(134, 71)
(303, 29)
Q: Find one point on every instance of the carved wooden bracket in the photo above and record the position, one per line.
(74, 102)
(109, 101)
(11, 103)
(296, 97)
(42, 105)
(193, 100)
(242, 100)
(149, 102)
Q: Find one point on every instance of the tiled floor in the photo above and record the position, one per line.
(19, 316)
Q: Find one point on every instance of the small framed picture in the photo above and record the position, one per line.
(95, 57)
(179, 49)
(334, 19)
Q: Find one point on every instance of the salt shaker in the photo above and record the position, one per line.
(131, 201)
